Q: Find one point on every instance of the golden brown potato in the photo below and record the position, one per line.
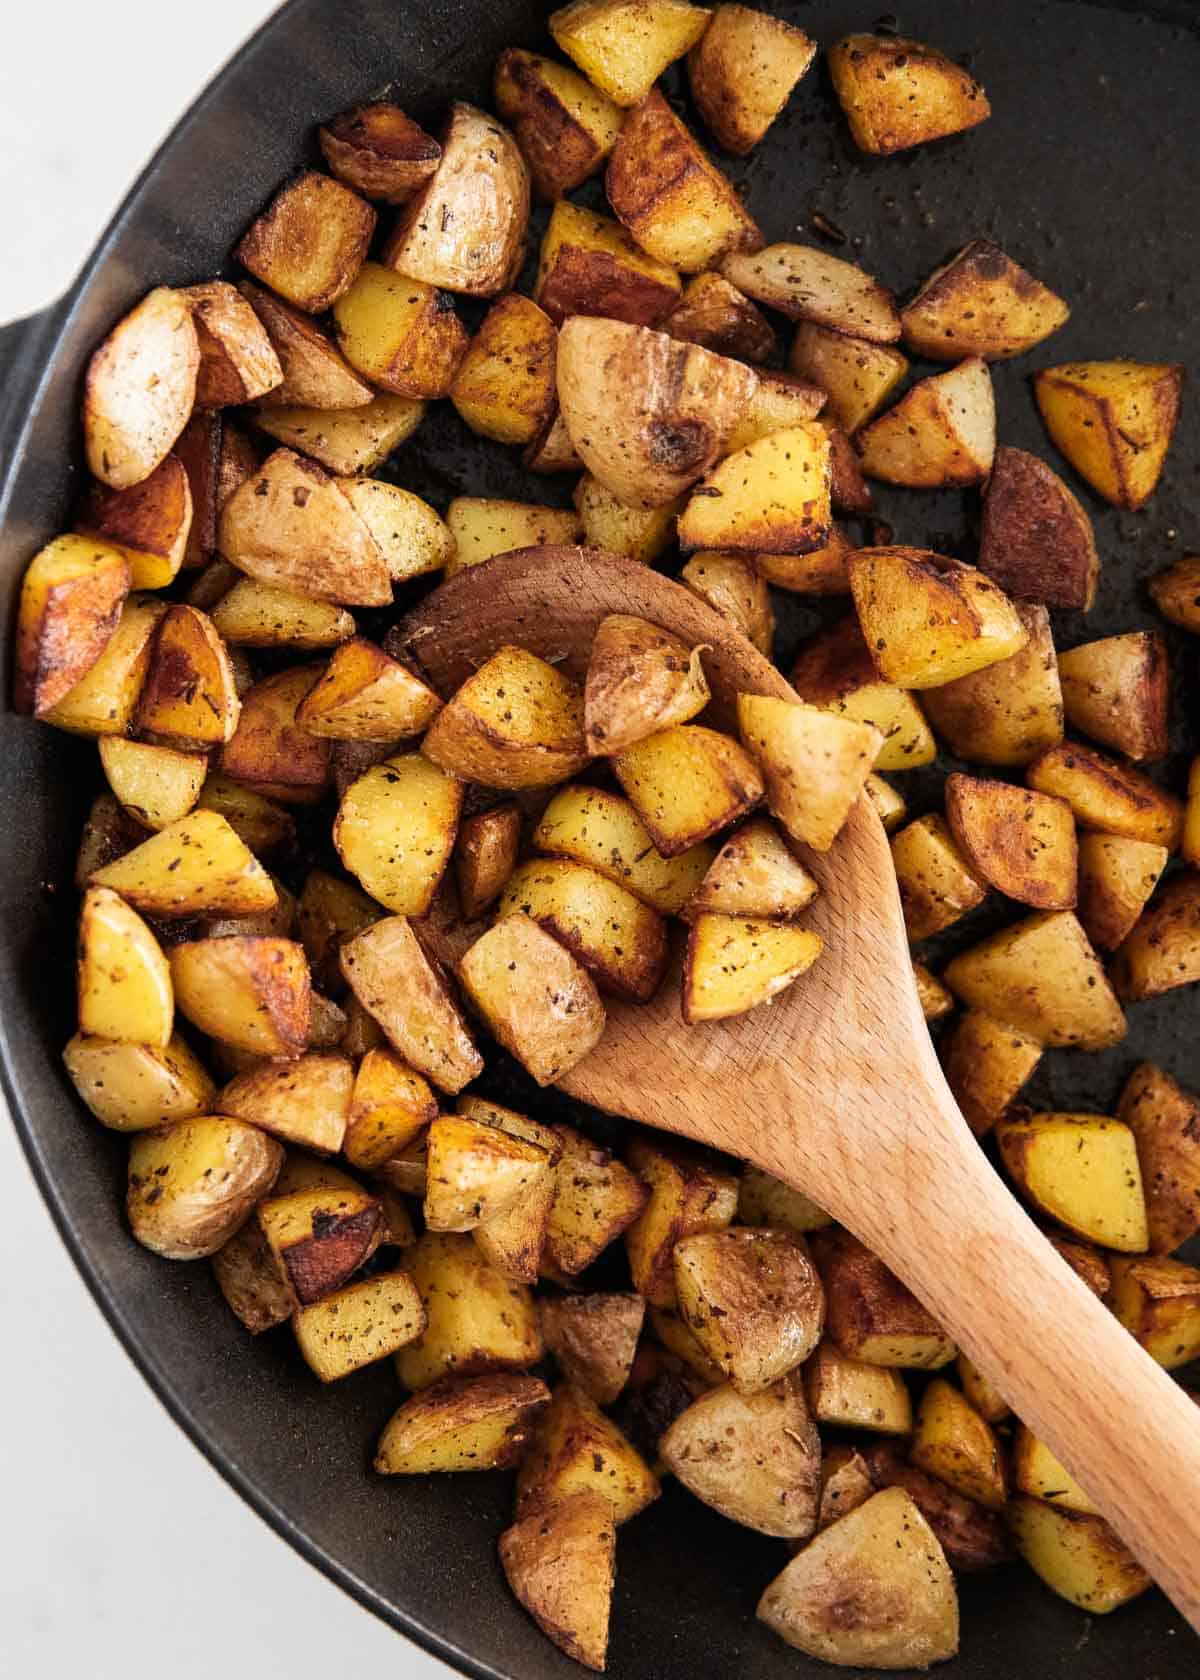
(732, 586)
(1021, 843)
(898, 93)
(1176, 592)
(552, 450)
(192, 1184)
(938, 883)
(1158, 1302)
(103, 701)
(742, 72)
(306, 1102)
(848, 489)
(889, 804)
(504, 388)
(1108, 795)
(564, 126)
(365, 696)
(763, 1200)
(320, 1235)
(390, 1107)
(941, 433)
(872, 1589)
(971, 1537)
(485, 854)
(980, 1391)
(596, 1199)
(358, 1325)
(464, 229)
(412, 538)
(935, 999)
(1165, 1122)
(928, 620)
(1113, 421)
(1038, 1473)
(602, 829)
(1080, 1169)
(310, 241)
(315, 374)
(576, 1447)
(481, 527)
(200, 449)
(1163, 949)
(594, 1339)
(72, 594)
(714, 313)
(857, 376)
(1116, 690)
(379, 152)
(1042, 977)
(189, 698)
(149, 522)
(667, 1324)
(813, 763)
(518, 722)
(269, 750)
(755, 1457)
(752, 1299)
(836, 673)
(134, 1087)
(123, 980)
(690, 1192)
(254, 614)
(140, 388)
(397, 984)
(560, 1564)
(640, 679)
(348, 440)
(869, 1314)
(620, 941)
(772, 497)
(1036, 538)
(535, 999)
(735, 963)
(197, 866)
(400, 332)
(636, 532)
(980, 303)
(156, 785)
(778, 402)
(478, 1321)
(851, 1394)
(237, 360)
(955, 1444)
(513, 1242)
(475, 1172)
(986, 1064)
(754, 875)
(252, 991)
(1189, 843)
(1077, 1556)
(249, 1277)
(845, 1483)
(806, 283)
(686, 782)
(462, 1423)
(1008, 713)
(623, 46)
(589, 265)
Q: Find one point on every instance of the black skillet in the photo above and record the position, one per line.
(1089, 172)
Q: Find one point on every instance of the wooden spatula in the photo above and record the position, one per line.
(835, 1088)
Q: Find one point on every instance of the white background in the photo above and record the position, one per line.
(123, 1556)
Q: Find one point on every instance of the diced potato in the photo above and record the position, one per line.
(1080, 1169)
(640, 679)
(763, 1200)
(941, 433)
(478, 1321)
(636, 532)
(712, 312)
(148, 523)
(103, 701)
(1021, 843)
(742, 72)
(1077, 1556)
(462, 1423)
(850, 1394)
(1006, 713)
(981, 1392)
(552, 450)
(986, 1064)
(207, 449)
(686, 782)
(315, 375)
(476, 1172)
(310, 242)
(1176, 592)
(623, 46)
(575, 1448)
(820, 572)
(732, 586)
(589, 265)
(365, 696)
(305, 1102)
(955, 1444)
(845, 1483)
(140, 388)
(134, 1087)
(72, 594)
(928, 620)
(1116, 877)
(1038, 1473)
(873, 1589)
(755, 1457)
(596, 1199)
(1042, 977)
(1113, 421)
(482, 527)
(254, 614)
(560, 1565)
(1116, 690)
(379, 151)
(156, 785)
(301, 1171)
(807, 283)
(513, 1242)
(1163, 949)
(250, 1279)
(858, 376)
(620, 941)
(836, 673)
(395, 982)
(778, 403)
(690, 1192)
(736, 963)
(124, 982)
(400, 333)
(517, 722)
(752, 1299)
(504, 388)
(320, 1235)
(1035, 537)
(754, 875)
(564, 126)
(391, 1106)
(1108, 795)
(594, 1339)
(869, 1313)
(772, 497)
(237, 360)
(358, 1325)
(193, 1183)
(197, 866)
(981, 303)
(350, 440)
(269, 749)
(603, 830)
(189, 697)
(889, 804)
(1165, 1122)
(251, 991)
(814, 763)
(1158, 1302)
(698, 1370)
(535, 999)
(485, 854)
(898, 93)
(934, 998)
(938, 882)
(971, 1537)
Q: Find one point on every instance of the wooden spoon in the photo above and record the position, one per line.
(835, 1088)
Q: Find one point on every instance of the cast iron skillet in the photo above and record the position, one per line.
(1089, 172)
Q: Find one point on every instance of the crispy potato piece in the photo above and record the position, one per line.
(482, 527)
(359, 1325)
(197, 866)
(305, 1102)
(986, 1064)
(596, 1200)
(1008, 713)
(254, 614)
(1116, 877)
(1108, 795)
(593, 1338)
(552, 450)
(560, 1565)
(1086, 1262)
(537, 1001)
(667, 1324)
(1020, 843)
(390, 1107)
(845, 1483)
(485, 854)
(1116, 690)
(669, 194)
(600, 828)
(686, 782)
(690, 1192)
(1036, 538)
(772, 497)
(813, 763)
(735, 963)
(249, 1277)
(350, 440)
(564, 126)
(1176, 592)
(732, 586)
(156, 785)
(980, 303)
(1077, 1556)
(619, 940)
(412, 538)
(715, 314)
(1113, 421)
(941, 433)
(200, 450)
(858, 376)
(1042, 977)
(927, 620)
(252, 991)
(935, 999)
(869, 1314)
(505, 388)
(640, 679)
(396, 983)
(851, 1394)
(647, 414)
(309, 242)
(269, 749)
(779, 402)
(237, 359)
(1038, 1473)
(135, 1087)
(72, 595)
(576, 1447)
(980, 1391)
(752, 1299)
(478, 1321)
(755, 1457)
(400, 332)
(1163, 949)
(321, 1234)
(513, 1242)
(211, 586)
(1165, 1122)
(123, 980)
(149, 522)
(1158, 1302)
(754, 875)
(315, 374)
(365, 696)
(873, 1588)
(192, 1184)
(103, 701)
(462, 1423)
(938, 883)
(898, 93)
(140, 389)
(848, 489)
(464, 230)
(763, 1200)
(955, 1444)
(806, 283)
(379, 152)
(1080, 1169)
(189, 697)
(836, 673)
(742, 72)
(623, 46)
(475, 1172)
(636, 532)
(589, 265)
(889, 805)
(971, 1537)
(518, 722)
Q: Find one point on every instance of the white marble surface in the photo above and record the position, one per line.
(122, 1554)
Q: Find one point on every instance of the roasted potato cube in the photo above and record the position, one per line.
(1077, 1556)
(594, 1339)
(475, 1172)
(858, 376)
(1021, 843)
(620, 941)
(981, 1392)
(192, 1184)
(690, 1192)
(1042, 977)
(397, 984)
(836, 673)
(104, 700)
(986, 1064)
(156, 785)
(885, 1561)
(197, 866)
(1108, 795)
(559, 1563)
(668, 1326)
(1116, 878)
(806, 283)
(848, 489)
(350, 440)
(941, 433)
(485, 855)
(755, 1457)
(1158, 1302)
(1038, 1473)
(1163, 949)
(513, 1242)
(589, 265)
(365, 696)
(1176, 592)
(310, 242)
(518, 722)
(462, 1423)
(478, 1321)
(869, 1314)
(640, 679)
(237, 359)
(481, 527)
(754, 875)
(412, 538)
(955, 1444)
(315, 374)
(928, 620)
(255, 614)
(504, 388)
(971, 1537)
(1035, 537)
(306, 1102)
(552, 450)
(189, 697)
(898, 93)
(1165, 1122)
(596, 1199)
(535, 999)
(938, 883)
(1086, 1262)
(320, 1235)
(390, 1107)
(764, 1200)
(1081, 1170)
(686, 782)
(358, 1325)
(135, 1087)
(813, 763)
(564, 126)
(771, 497)
(1007, 713)
(623, 46)
(889, 804)
(779, 402)
(742, 72)
(575, 1447)
(71, 602)
(752, 1299)
(400, 332)
(250, 1279)
(600, 828)
(140, 389)
(845, 1483)
(1116, 690)
(269, 749)
(735, 963)
(733, 587)
(123, 979)
(980, 303)
(379, 152)
(149, 523)
(935, 999)
(206, 450)
(850, 1394)
(251, 991)
(636, 532)
(714, 313)
(1113, 421)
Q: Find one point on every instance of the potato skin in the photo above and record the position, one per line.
(560, 1565)
(1009, 712)
(1163, 949)
(594, 1339)
(310, 242)
(535, 998)
(898, 93)
(981, 303)
(756, 1458)
(1165, 1122)
(971, 1537)
(191, 1185)
(742, 72)
(1036, 538)
(140, 388)
(379, 152)
(422, 1435)
(1020, 842)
